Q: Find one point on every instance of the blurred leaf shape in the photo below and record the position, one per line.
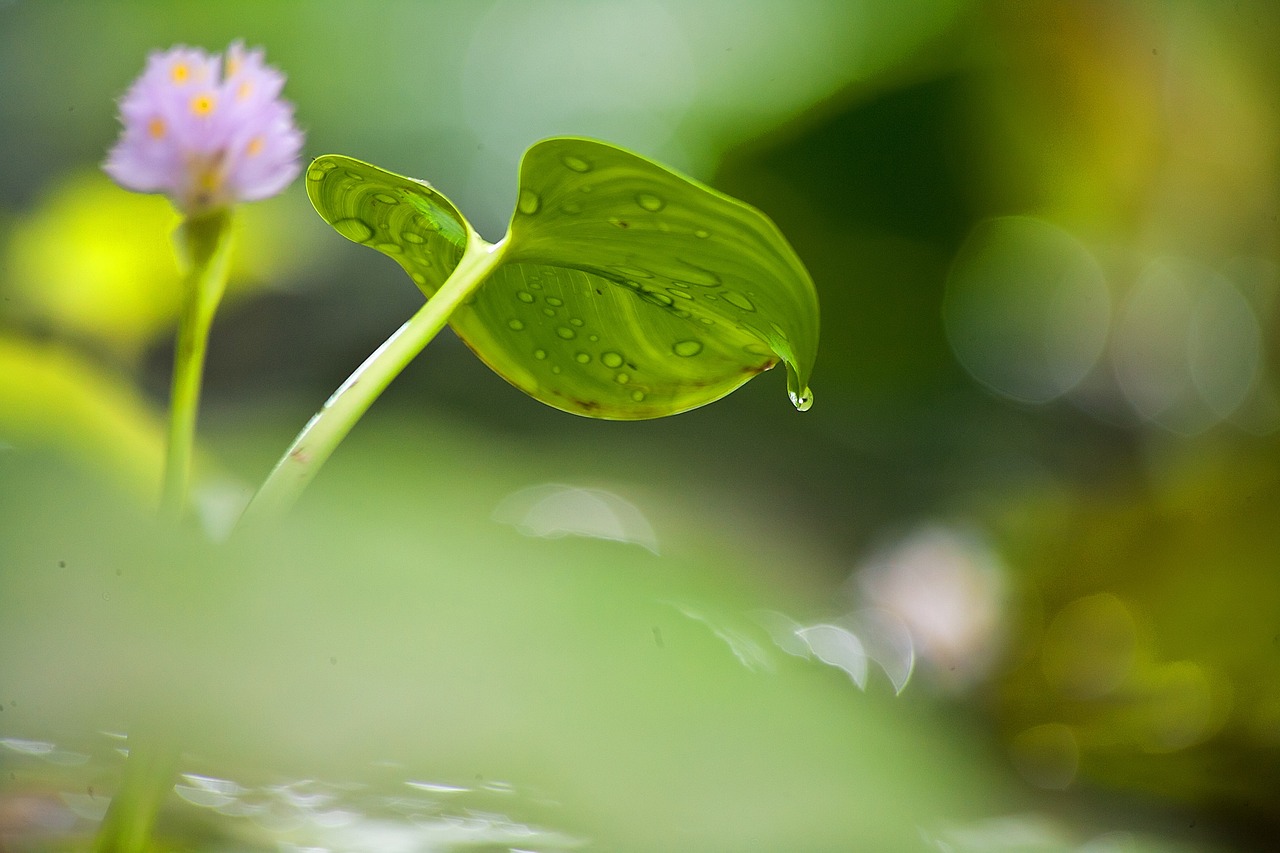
(97, 263)
(52, 398)
(624, 290)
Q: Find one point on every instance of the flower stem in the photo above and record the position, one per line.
(326, 429)
(148, 774)
(207, 243)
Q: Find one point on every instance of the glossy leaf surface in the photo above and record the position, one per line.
(624, 291)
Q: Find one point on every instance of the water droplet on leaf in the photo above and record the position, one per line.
(529, 202)
(576, 164)
(738, 300)
(611, 359)
(515, 325)
(633, 272)
(566, 333)
(656, 298)
(582, 358)
(686, 349)
(354, 229)
(650, 202)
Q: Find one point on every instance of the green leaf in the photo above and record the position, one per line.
(623, 290)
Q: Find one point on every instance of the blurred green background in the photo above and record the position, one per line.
(1032, 511)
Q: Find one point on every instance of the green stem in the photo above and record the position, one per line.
(322, 434)
(148, 774)
(207, 243)
(149, 769)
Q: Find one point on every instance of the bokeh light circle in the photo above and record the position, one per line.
(1027, 308)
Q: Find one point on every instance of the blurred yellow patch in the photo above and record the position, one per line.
(95, 262)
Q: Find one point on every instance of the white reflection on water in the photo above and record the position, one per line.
(848, 643)
(886, 639)
(748, 652)
(837, 647)
(303, 814)
(552, 510)
(28, 747)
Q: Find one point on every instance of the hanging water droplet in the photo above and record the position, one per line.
(622, 378)
(354, 229)
(418, 278)
(582, 358)
(540, 354)
(566, 333)
(576, 164)
(413, 237)
(611, 359)
(650, 202)
(802, 400)
(390, 248)
(386, 198)
(354, 176)
(685, 349)
(801, 396)
(738, 300)
(637, 396)
(316, 173)
(515, 325)
(529, 202)
(525, 296)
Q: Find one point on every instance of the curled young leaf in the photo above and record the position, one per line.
(622, 290)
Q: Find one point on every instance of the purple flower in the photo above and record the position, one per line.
(204, 135)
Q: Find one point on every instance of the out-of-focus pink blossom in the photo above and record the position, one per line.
(206, 135)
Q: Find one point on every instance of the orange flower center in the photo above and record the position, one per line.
(202, 105)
